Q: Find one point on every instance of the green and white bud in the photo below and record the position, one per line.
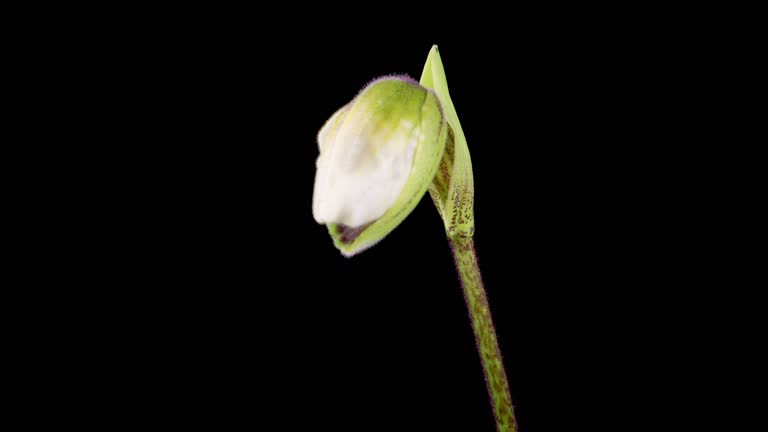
(378, 156)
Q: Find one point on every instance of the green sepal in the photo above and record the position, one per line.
(456, 202)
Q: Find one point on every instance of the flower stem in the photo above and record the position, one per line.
(485, 334)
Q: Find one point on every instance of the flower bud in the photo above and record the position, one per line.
(378, 156)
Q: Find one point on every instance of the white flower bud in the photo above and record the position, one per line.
(366, 153)
(378, 155)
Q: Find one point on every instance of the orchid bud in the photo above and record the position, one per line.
(378, 156)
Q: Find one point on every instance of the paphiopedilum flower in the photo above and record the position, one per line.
(378, 156)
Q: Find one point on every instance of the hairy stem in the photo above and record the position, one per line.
(485, 334)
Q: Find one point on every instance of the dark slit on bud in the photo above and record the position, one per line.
(349, 234)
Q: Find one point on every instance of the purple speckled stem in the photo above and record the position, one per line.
(485, 334)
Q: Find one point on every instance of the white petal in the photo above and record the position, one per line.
(362, 168)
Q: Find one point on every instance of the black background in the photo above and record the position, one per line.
(231, 306)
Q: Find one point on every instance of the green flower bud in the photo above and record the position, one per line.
(378, 156)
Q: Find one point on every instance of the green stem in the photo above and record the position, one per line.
(485, 334)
